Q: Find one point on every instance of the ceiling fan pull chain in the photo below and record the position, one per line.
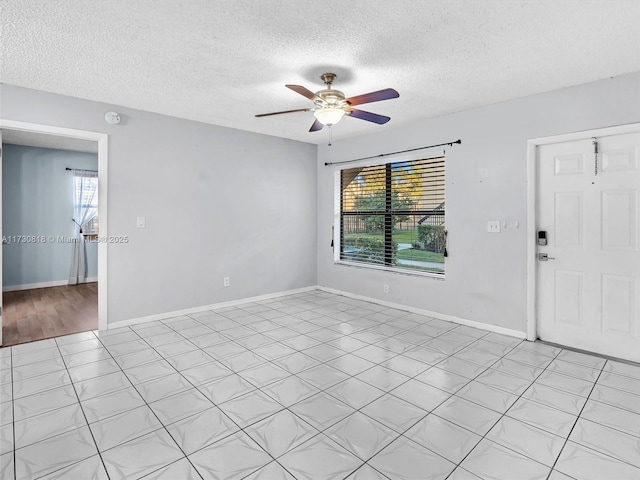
(330, 135)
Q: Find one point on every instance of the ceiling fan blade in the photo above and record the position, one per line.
(316, 126)
(368, 116)
(305, 92)
(386, 94)
(285, 111)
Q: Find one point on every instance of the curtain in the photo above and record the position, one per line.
(85, 207)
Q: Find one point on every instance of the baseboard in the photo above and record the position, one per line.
(204, 308)
(31, 286)
(429, 313)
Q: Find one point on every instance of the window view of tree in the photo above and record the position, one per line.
(393, 215)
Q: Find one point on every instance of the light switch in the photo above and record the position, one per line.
(141, 222)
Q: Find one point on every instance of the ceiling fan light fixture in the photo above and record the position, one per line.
(329, 115)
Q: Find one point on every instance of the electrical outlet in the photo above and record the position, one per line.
(141, 222)
(386, 288)
(226, 282)
(493, 226)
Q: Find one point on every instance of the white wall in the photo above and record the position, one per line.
(37, 200)
(217, 201)
(485, 273)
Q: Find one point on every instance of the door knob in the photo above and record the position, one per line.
(543, 257)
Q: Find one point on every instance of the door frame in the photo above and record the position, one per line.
(103, 143)
(532, 182)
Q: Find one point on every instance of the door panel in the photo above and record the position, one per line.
(588, 291)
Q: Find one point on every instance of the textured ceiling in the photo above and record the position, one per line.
(32, 139)
(222, 61)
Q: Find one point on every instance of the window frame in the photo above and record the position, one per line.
(337, 221)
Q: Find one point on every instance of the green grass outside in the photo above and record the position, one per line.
(405, 236)
(420, 256)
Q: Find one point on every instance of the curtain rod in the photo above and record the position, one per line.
(394, 153)
(81, 170)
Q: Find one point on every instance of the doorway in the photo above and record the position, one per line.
(587, 263)
(61, 138)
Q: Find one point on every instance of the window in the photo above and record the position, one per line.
(393, 215)
(85, 184)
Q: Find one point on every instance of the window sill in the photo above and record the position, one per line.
(400, 271)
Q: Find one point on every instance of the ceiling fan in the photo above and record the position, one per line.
(331, 105)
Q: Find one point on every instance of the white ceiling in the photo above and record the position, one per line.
(222, 61)
(32, 139)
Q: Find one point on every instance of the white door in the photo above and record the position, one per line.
(588, 289)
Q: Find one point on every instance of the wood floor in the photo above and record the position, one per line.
(30, 315)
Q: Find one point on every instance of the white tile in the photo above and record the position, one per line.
(487, 396)
(42, 355)
(6, 439)
(296, 362)
(443, 437)
(272, 471)
(582, 359)
(617, 398)
(420, 394)
(571, 385)
(319, 459)
(503, 381)
(555, 398)
(250, 408)
(527, 440)
(406, 460)
(83, 346)
(93, 370)
(141, 456)
(121, 428)
(54, 453)
(137, 359)
(620, 382)
(110, 404)
(162, 387)
(176, 407)
(574, 370)
(394, 412)
(321, 410)
(89, 356)
(109, 383)
(226, 388)
(608, 441)
(205, 373)
(44, 402)
(442, 379)
(42, 383)
(405, 365)
(40, 427)
(290, 390)
(490, 460)
(613, 417)
(89, 469)
(182, 469)
(280, 433)
(469, 415)
(541, 416)
(517, 369)
(201, 429)
(584, 463)
(29, 370)
(7, 466)
(382, 378)
(355, 392)
(361, 435)
(323, 376)
(461, 367)
(620, 368)
(366, 472)
(263, 375)
(232, 458)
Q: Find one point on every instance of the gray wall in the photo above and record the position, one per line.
(485, 273)
(37, 200)
(217, 201)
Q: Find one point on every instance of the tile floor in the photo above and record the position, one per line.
(313, 386)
